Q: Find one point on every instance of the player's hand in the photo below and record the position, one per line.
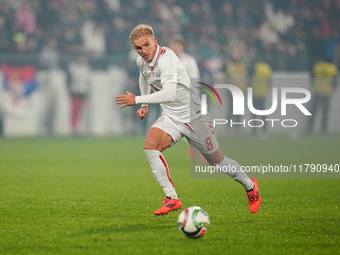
(142, 112)
(126, 100)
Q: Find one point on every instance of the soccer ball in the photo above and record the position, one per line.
(193, 222)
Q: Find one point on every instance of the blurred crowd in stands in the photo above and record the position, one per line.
(288, 35)
(230, 39)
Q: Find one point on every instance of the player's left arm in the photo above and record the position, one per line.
(167, 94)
(167, 68)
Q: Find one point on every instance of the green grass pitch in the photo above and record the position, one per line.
(97, 196)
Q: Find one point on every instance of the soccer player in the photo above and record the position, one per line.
(161, 70)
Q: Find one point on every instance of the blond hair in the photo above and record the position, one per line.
(141, 30)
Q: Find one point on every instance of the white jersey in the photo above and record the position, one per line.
(167, 68)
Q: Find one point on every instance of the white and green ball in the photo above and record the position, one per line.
(193, 222)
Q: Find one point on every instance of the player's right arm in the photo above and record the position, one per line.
(144, 88)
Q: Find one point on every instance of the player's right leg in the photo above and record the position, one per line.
(157, 140)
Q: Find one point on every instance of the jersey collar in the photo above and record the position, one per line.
(155, 58)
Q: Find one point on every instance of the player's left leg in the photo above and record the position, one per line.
(218, 158)
(250, 185)
(203, 138)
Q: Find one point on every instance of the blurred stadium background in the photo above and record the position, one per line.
(48, 47)
(62, 62)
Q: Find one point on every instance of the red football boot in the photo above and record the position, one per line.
(168, 206)
(254, 198)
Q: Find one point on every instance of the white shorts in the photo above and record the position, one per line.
(199, 132)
